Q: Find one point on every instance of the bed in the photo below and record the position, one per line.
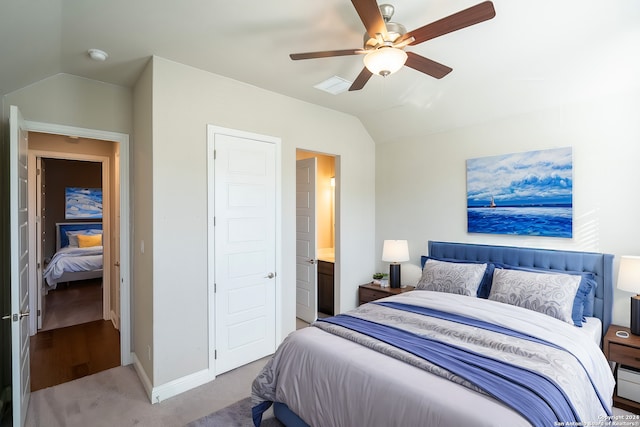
(78, 254)
(492, 336)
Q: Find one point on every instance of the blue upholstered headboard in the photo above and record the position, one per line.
(601, 265)
(62, 227)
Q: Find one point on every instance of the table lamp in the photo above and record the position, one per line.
(395, 252)
(629, 280)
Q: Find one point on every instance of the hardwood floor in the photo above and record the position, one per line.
(73, 303)
(65, 354)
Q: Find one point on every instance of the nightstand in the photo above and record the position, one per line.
(371, 292)
(622, 351)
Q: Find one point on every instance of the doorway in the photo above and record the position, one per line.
(316, 281)
(22, 235)
(120, 264)
(79, 296)
(74, 309)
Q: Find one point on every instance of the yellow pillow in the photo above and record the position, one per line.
(88, 240)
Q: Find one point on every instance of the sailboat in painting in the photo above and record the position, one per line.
(493, 203)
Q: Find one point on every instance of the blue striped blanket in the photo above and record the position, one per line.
(536, 395)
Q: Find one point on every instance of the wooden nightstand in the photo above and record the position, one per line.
(370, 292)
(622, 351)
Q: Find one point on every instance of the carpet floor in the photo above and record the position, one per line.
(116, 397)
(236, 415)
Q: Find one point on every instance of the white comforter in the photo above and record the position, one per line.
(72, 259)
(330, 381)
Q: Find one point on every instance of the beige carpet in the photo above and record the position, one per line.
(73, 304)
(235, 415)
(116, 398)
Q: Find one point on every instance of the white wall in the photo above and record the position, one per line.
(421, 182)
(64, 99)
(185, 100)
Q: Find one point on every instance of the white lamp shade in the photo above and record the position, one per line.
(395, 251)
(629, 274)
(385, 60)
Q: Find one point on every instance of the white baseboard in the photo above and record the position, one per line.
(146, 383)
(172, 388)
(115, 320)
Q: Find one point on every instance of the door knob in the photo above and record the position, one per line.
(311, 261)
(270, 276)
(16, 316)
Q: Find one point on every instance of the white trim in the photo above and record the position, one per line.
(211, 255)
(126, 356)
(114, 320)
(142, 375)
(172, 388)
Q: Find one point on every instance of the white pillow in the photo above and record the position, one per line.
(551, 294)
(451, 277)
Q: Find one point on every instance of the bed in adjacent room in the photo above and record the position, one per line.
(492, 336)
(78, 254)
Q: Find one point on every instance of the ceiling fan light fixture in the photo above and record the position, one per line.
(385, 61)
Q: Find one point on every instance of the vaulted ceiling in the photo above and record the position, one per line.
(532, 55)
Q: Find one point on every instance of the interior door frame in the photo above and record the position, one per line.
(35, 285)
(126, 356)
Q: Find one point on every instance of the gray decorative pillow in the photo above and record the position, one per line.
(551, 294)
(451, 277)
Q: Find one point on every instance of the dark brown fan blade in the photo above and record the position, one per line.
(370, 16)
(427, 66)
(361, 80)
(465, 18)
(325, 54)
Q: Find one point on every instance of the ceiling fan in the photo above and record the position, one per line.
(384, 41)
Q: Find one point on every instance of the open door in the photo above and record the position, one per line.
(18, 201)
(306, 259)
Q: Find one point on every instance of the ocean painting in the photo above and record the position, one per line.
(523, 193)
(83, 203)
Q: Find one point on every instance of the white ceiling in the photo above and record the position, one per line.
(532, 55)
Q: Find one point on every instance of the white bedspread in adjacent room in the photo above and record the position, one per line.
(72, 259)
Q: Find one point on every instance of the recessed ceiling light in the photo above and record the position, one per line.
(98, 55)
(334, 85)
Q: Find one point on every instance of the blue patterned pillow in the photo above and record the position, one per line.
(451, 277)
(551, 294)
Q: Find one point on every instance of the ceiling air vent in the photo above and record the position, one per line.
(334, 85)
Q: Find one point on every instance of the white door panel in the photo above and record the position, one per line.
(306, 266)
(245, 246)
(20, 371)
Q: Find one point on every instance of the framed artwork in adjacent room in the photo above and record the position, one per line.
(83, 203)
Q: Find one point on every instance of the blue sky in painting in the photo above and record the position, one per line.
(522, 179)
